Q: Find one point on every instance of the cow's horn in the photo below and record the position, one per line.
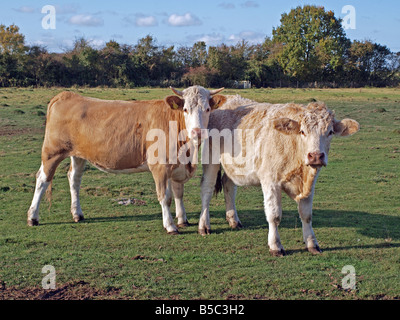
(212, 92)
(179, 93)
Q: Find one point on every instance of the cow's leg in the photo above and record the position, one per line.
(41, 186)
(210, 173)
(165, 201)
(177, 189)
(164, 194)
(305, 212)
(74, 177)
(43, 179)
(273, 211)
(230, 194)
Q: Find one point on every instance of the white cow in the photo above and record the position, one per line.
(284, 147)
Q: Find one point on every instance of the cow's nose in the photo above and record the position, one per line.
(196, 132)
(316, 158)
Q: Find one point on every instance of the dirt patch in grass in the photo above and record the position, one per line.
(13, 131)
(128, 201)
(79, 290)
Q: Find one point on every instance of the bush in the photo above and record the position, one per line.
(201, 76)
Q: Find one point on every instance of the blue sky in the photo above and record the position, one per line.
(181, 23)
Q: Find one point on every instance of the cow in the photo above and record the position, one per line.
(119, 137)
(286, 146)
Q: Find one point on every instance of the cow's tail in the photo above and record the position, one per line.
(218, 183)
(49, 191)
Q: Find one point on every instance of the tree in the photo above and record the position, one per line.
(158, 61)
(228, 61)
(12, 55)
(192, 57)
(313, 43)
(368, 61)
(81, 63)
(198, 54)
(309, 45)
(42, 68)
(11, 40)
(201, 76)
(263, 68)
(116, 65)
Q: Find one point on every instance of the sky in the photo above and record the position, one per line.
(184, 22)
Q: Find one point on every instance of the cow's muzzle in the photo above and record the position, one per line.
(198, 133)
(316, 159)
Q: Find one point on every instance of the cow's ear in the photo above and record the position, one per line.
(174, 102)
(286, 125)
(216, 101)
(346, 127)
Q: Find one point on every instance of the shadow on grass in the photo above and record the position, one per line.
(109, 219)
(378, 226)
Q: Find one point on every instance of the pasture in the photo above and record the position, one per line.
(122, 251)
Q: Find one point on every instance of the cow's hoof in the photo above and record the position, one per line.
(184, 224)
(174, 232)
(277, 253)
(236, 225)
(314, 250)
(204, 231)
(78, 218)
(33, 222)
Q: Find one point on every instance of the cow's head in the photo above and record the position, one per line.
(196, 104)
(315, 129)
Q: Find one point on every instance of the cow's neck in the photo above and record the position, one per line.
(186, 169)
(309, 178)
(299, 182)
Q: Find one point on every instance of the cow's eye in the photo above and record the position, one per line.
(185, 110)
(302, 133)
(208, 110)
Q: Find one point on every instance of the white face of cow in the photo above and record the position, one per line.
(316, 142)
(196, 104)
(315, 132)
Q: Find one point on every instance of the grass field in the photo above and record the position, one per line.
(122, 252)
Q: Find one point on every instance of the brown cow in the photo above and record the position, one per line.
(284, 148)
(119, 137)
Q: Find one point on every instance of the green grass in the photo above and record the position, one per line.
(124, 248)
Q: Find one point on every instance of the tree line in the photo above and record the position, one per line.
(309, 48)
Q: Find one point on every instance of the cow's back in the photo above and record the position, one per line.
(271, 155)
(110, 134)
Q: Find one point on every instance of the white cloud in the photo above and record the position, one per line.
(212, 39)
(86, 20)
(250, 4)
(68, 44)
(117, 36)
(25, 9)
(185, 20)
(227, 5)
(97, 43)
(146, 21)
(66, 9)
(252, 37)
